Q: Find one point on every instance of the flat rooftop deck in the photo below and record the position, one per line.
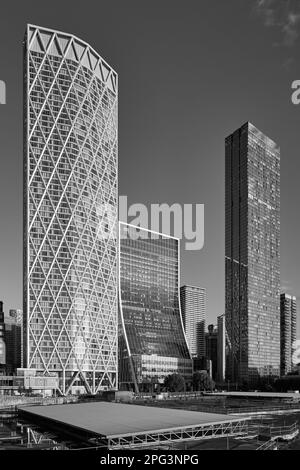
(111, 420)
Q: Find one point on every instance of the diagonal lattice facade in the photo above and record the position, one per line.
(70, 211)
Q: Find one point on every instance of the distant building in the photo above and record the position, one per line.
(202, 363)
(27, 379)
(193, 306)
(221, 348)
(211, 346)
(152, 343)
(14, 340)
(17, 314)
(288, 331)
(252, 255)
(2, 339)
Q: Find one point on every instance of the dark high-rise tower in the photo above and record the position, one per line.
(2, 337)
(211, 348)
(13, 340)
(252, 254)
(288, 328)
(221, 349)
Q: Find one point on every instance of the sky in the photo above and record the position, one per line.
(190, 73)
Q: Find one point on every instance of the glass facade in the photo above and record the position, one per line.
(13, 341)
(211, 348)
(288, 331)
(2, 338)
(152, 343)
(193, 306)
(252, 254)
(221, 349)
(70, 211)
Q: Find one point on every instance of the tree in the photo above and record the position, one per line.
(202, 381)
(174, 383)
(266, 384)
(244, 386)
(268, 388)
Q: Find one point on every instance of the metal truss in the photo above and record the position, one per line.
(71, 225)
(183, 434)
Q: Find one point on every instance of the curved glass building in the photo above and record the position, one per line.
(152, 342)
(70, 212)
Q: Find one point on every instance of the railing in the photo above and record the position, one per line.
(273, 432)
(204, 406)
(269, 445)
(284, 431)
(262, 408)
(171, 395)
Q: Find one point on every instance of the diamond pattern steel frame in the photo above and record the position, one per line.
(70, 211)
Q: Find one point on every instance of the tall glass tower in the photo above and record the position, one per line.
(252, 252)
(70, 211)
(288, 331)
(2, 338)
(152, 342)
(193, 305)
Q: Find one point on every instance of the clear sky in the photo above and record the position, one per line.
(190, 72)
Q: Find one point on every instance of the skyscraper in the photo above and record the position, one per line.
(152, 343)
(16, 316)
(288, 331)
(13, 342)
(193, 307)
(221, 350)
(70, 211)
(211, 348)
(252, 254)
(2, 339)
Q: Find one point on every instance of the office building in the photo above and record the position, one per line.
(211, 348)
(17, 316)
(288, 331)
(14, 340)
(193, 307)
(2, 340)
(221, 349)
(70, 212)
(152, 342)
(252, 255)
